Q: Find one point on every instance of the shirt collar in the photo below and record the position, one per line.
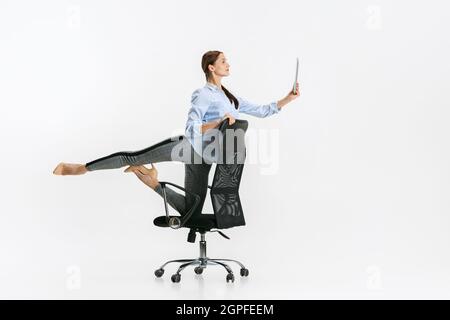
(212, 86)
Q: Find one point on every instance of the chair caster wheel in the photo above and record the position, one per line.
(159, 273)
(198, 270)
(230, 277)
(176, 277)
(244, 272)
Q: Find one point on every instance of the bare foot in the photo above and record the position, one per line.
(63, 169)
(148, 176)
(144, 170)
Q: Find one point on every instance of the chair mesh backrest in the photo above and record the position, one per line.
(227, 177)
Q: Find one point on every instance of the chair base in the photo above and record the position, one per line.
(202, 263)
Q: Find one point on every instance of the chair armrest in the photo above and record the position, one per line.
(176, 222)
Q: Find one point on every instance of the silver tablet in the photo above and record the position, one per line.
(294, 88)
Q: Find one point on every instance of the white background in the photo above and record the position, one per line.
(357, 208)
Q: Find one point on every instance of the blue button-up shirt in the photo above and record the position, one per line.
(210, 103)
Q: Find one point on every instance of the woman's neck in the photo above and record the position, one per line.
(216, 83)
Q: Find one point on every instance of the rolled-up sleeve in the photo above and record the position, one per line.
(257, 110)
(199, 106)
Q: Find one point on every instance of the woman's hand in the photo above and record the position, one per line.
(291, 95)
(216, 123)
(230, 117)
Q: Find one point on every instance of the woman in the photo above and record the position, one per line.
(210, 105)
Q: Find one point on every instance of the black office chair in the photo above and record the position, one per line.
(225, 201)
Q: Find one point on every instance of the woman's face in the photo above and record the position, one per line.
(221, 66)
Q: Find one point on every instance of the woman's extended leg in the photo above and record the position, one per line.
(167, 150)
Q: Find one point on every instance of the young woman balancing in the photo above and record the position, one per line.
(210, 105)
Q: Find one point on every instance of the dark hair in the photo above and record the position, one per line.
(211, 57)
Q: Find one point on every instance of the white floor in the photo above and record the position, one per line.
(99, 274)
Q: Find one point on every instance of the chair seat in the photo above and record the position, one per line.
(202, 221)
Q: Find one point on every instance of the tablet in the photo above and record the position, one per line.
(294, 89)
